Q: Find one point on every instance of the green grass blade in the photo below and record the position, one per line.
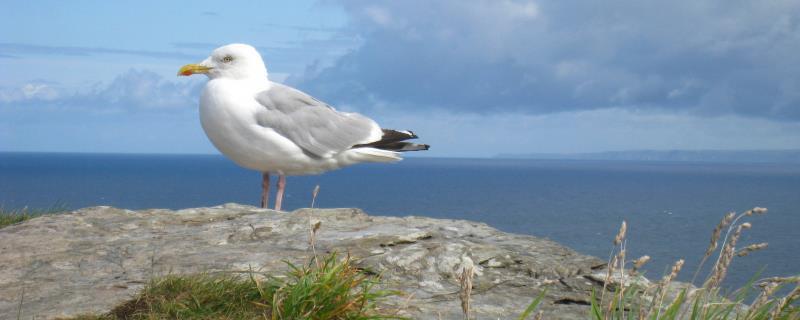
(675, 306)
(532, 306)
(595, 310)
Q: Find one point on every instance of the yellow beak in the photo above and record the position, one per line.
(193, 68)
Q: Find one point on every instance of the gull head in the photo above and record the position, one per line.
(233, 61)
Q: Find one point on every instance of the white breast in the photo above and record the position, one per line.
(227, 109)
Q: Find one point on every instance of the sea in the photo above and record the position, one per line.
(670, 208)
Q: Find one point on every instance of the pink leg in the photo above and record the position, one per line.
(265, 190)
(279, 195)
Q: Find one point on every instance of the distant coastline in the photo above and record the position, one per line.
(737, 156)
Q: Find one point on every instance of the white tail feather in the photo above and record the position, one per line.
(373, 155)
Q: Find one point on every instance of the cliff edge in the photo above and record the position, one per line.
(93, 259)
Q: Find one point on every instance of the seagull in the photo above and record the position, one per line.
(276, 129)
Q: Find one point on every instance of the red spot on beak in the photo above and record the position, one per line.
(187, 73)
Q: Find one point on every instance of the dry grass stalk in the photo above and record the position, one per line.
(314, 195)
(616, 263)
(794, 279)
(676, 268)
(312, 241)
(612, 265)
(751, 248)
(638, 263)
(619, 241)
(718, 231)
(610, 306)
(621, 234)
(313, 235)
(746, 225)
(714, 243)
(465, 280)
(663, 286)
(784, 302)
(621, 259)
(314, 226)
(767, 290)
(768, 287)
(795, 294)
(704, 302)
(613, 259)
(725, 258)
(777, 310)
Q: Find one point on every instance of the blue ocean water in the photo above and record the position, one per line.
(670, 207)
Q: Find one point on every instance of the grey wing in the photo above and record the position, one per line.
(311, 124)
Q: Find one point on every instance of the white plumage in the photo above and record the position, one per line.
(273, 128)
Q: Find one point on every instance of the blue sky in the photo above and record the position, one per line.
(472, 78)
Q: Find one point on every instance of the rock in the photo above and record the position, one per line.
(93, 259)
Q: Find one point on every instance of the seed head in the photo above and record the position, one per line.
(676, 269)
(621, 234)
(753, 247)
(315, 192)
(712, 246)
(465, 280)
(638, 263)
(721, 267)
(767, 290)
(756, 210)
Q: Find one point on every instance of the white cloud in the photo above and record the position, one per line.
(132, 90)
(29, 91)
(378, 15)
(143, 89)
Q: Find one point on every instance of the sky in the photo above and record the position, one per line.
(471, 78)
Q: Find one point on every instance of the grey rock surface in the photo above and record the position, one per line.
(92, 259)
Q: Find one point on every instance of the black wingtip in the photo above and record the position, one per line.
(393, 140)
(391, 135)
(408, 146)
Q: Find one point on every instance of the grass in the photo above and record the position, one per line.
(327, 288)
(330, 289)
(532, 307)
(707, 300)
(9, 217)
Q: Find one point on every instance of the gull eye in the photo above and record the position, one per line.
(227, 59)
